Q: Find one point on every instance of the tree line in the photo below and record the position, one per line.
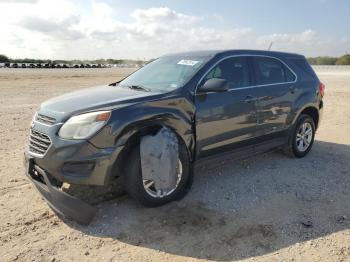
(327, 60)
(320, 60)
(5, 59)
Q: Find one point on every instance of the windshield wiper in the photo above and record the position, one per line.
(139, 87)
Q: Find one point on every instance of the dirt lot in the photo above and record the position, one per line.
(266, 208)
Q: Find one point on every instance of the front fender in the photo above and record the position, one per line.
(176, 114)
(179, 125)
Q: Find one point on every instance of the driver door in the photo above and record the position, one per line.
(225, 120)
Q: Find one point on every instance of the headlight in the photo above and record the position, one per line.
(84, 125)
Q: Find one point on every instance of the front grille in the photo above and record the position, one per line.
(45, 119)
(38, 142)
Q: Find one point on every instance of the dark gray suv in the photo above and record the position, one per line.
(213, 102)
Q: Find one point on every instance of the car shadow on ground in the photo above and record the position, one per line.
(240, 209)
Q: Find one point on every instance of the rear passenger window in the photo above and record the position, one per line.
(271, 71)
(235, 70)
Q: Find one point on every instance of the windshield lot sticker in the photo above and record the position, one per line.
(187, 62)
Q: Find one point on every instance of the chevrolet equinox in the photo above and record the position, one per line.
(215, 102)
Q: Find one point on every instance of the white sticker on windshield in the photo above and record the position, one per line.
(187, 62)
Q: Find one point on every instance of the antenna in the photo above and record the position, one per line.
(270, 46)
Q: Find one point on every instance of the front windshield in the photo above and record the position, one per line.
(165, 73)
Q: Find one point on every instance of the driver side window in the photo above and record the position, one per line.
(214, 73)
(235, 70)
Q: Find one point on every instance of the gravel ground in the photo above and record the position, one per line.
(265, 208)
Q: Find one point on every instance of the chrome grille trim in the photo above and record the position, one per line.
(39, 143)
(45, 119)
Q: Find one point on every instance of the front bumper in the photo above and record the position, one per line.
(74, 161)
(63, 204)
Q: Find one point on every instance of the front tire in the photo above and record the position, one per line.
(302, 137)
(137, 187)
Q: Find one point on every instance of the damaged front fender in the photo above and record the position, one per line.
(175, 113)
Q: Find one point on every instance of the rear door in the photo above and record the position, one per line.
(276, 93)
(225, 119)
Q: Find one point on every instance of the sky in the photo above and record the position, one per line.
(92, 29)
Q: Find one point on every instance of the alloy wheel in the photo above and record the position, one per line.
(149, 185)
(304, 137)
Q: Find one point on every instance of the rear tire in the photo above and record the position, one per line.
(134, 183)
(302, 137)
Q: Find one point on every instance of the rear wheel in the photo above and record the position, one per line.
(302, 137)
(144, 191)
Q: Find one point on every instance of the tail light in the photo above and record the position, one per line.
(322, 88)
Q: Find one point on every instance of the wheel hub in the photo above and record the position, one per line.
(149, 185)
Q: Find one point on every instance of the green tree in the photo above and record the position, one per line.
(4, 59)
(343, 60)
(322, 60)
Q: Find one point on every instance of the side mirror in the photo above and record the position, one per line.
(214, 85)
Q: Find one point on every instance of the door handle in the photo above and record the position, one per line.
(249, 99)
(292, 89)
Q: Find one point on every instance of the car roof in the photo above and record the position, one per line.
(212, 53)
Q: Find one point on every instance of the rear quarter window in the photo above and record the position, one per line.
(304, 66)
(271, 71)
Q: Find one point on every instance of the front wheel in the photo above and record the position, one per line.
(302, 137)
(144, 191)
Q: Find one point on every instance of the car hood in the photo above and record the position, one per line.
(89, 99)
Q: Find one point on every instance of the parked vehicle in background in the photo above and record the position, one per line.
(215, 102)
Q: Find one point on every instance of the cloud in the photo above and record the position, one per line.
(19, 1)
(61, 30)
(40, 29)
(162, 15)
(104, 35)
